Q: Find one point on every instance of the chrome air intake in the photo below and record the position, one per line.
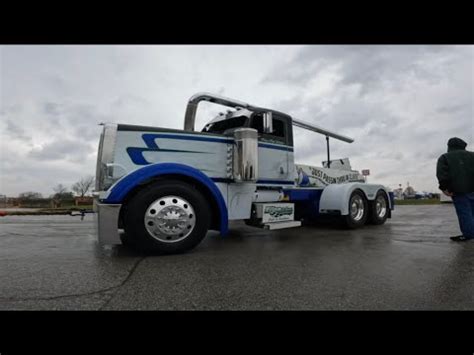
(245, 156)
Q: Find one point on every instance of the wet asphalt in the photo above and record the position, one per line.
(55, 263)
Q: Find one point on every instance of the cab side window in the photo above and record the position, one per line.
(278, 135)
(278, 128)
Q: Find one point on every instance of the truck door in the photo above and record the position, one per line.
(275, 150)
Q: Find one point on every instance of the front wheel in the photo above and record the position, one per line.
(166, 217)
(358, 210)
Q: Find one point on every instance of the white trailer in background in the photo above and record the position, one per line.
(166, 188)
(445, 199)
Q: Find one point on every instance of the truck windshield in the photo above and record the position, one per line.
(224, 125)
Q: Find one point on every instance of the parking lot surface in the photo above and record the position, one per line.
(55, 263)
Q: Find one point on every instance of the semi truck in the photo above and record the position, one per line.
(161, 189)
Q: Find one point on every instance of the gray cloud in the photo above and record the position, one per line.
(16, 131)
(368, 66)
(67, 149)
(51, 108)
(453, 109)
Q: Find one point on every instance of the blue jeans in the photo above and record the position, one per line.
(464, 205)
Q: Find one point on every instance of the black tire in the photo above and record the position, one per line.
(352, 221)
(127, 240)
(378, 215)
(137, 234)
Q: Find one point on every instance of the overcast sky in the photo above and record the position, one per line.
(400, 103)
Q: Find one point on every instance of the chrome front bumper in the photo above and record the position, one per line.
(106, 220)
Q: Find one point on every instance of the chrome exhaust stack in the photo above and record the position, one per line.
(191, 109)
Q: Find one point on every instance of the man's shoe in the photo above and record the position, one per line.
(460, 238)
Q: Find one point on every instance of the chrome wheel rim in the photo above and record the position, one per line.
(357, 208)
(170, 219)
(380, 206)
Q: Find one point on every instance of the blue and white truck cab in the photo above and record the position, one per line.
(165, 188)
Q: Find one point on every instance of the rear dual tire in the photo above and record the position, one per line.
(379, 209)
(363, 212)
(358, 210)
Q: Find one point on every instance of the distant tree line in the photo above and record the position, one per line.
(61, 192)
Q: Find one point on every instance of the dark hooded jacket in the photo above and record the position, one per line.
(455, 169)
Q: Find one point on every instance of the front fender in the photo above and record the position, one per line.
(117, 192)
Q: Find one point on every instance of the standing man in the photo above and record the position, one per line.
(455, 173)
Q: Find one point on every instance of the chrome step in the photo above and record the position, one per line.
(282, 225)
